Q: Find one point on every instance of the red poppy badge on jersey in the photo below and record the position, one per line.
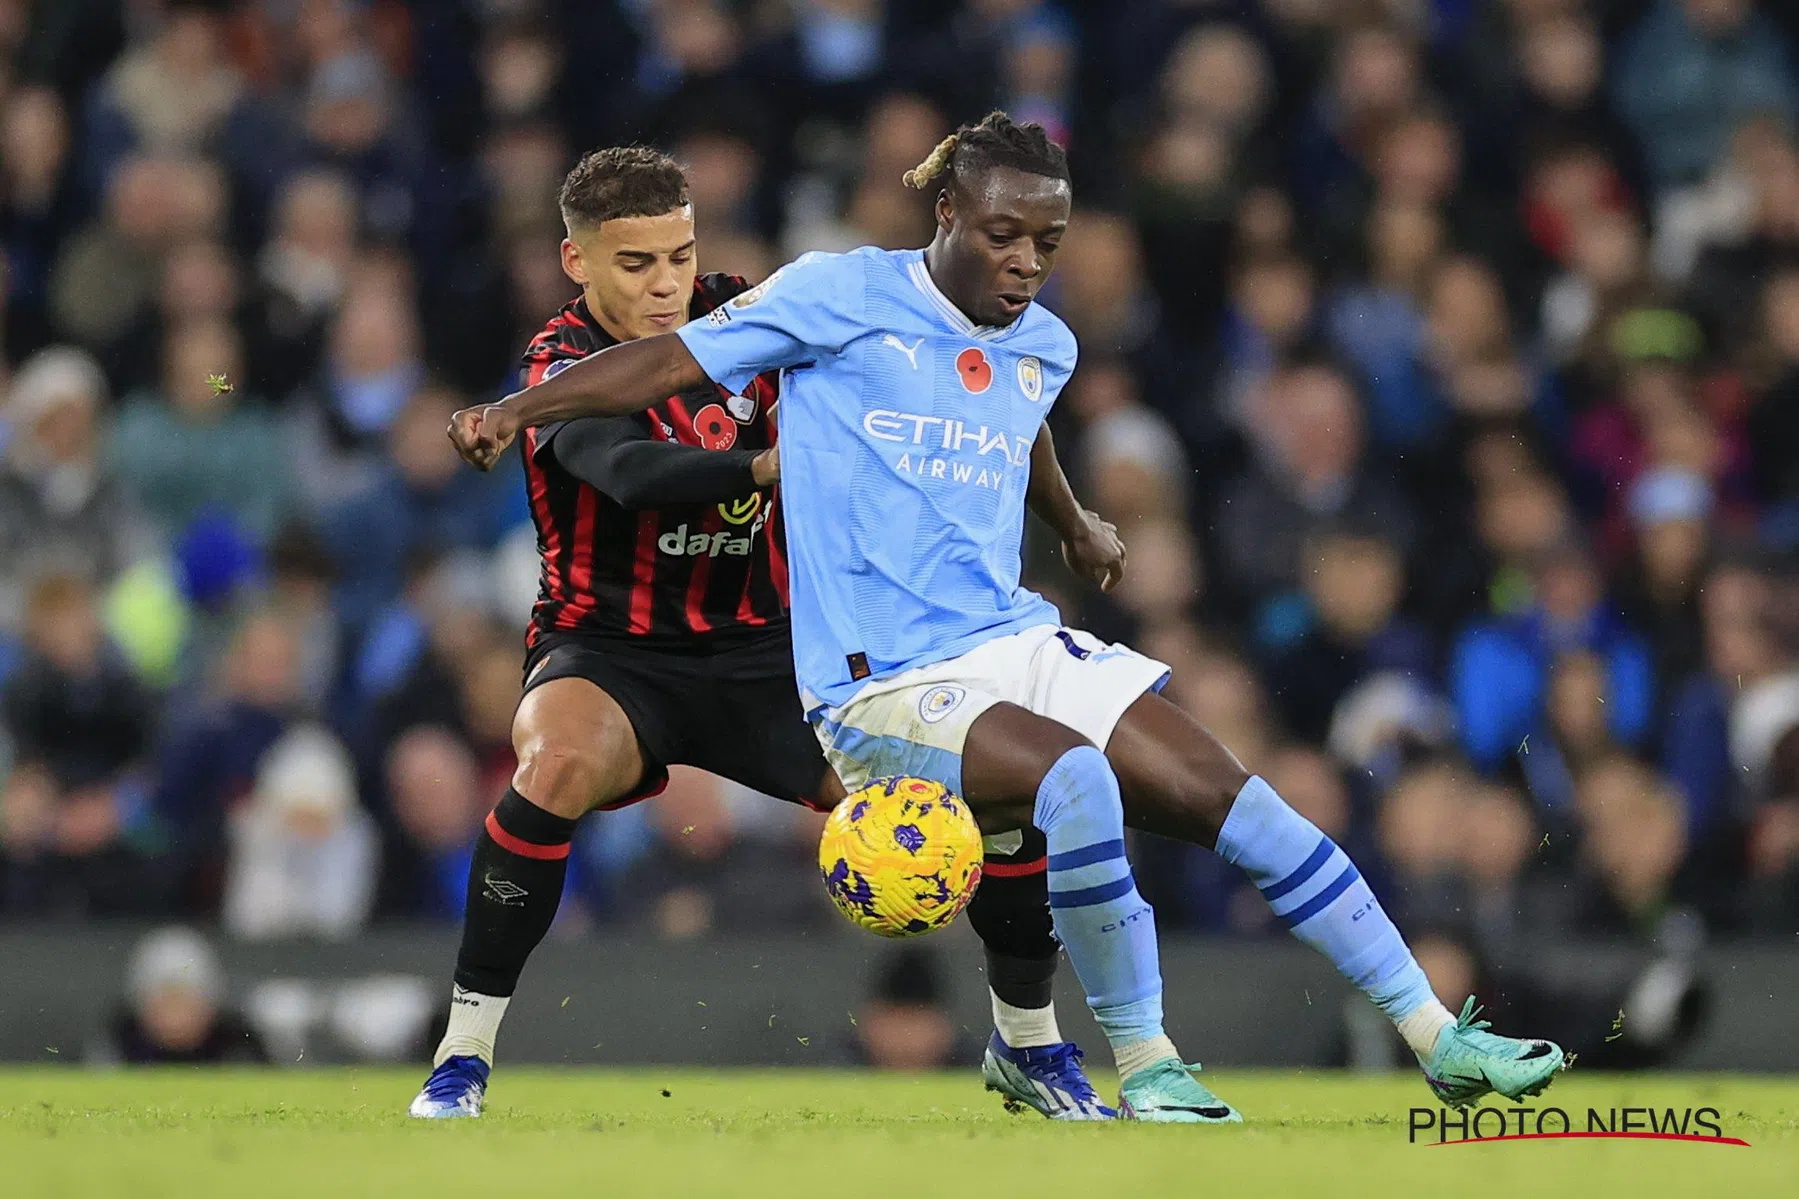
(974, 370)
(715, 430)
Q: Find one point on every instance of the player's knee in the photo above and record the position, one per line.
(1207, 790)
(564, 779)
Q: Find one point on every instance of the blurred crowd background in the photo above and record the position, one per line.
(1440, 364)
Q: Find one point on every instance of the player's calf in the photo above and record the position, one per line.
(1311, 884)
(1026, 1059)
(1099, 916)
(576, 751)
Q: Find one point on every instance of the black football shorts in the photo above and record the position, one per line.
(735, 713)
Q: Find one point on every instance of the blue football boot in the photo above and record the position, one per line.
(1048, 1078)
(453, 1092)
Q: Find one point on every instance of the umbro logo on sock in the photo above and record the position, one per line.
(503, 891)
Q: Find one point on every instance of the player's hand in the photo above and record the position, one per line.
(1095, 552)
(765, 468)
(482, 433)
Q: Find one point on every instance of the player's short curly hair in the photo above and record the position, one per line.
(997, 140)
(618, 182)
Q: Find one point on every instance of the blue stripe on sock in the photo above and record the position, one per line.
(1320, 901)
(1306, 870)
(1087, 855)
(1086, 897)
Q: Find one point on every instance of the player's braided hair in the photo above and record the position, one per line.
(619, 182)
(997, 140)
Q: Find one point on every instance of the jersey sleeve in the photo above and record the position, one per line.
(618, 456)
(810, 308)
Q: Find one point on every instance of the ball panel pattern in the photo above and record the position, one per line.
(901, 857)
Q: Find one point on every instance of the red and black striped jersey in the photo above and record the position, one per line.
(683, 576)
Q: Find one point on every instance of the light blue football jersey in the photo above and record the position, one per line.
(906, 434)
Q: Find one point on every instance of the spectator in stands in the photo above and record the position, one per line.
(1500, 671)
(171, 93)
(1774, 842)
(1310, 472)
(1689, 71)
(1561, 64)
(1130, 458)
(1671, 508)
(211, 759)
(194, 449)
(1756, 228)
(301, 575)
(701, 876)
(1379, 324)
(1575, 737)
(1743, 655)
(1374, 76)
(421, 502)
(38, 206)
(1633, 842)
(904, 1023)
(413, 656)
(105, 276)
(301, 275)
(80, 727)
(436, 801)
(1418, 824)
(175, 1010)
(1343, 629)
(1100, 286)
(350, 124)
(1521, 513)
(371, 369)
(303, 853)
(1773, 422)
(1270, 316)
(1467, 325)
(61, 502)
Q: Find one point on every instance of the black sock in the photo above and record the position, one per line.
(514, 889)
(1010, 912)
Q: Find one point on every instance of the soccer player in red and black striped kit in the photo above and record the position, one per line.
(660, 633)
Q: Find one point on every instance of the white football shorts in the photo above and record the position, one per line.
(916, 723)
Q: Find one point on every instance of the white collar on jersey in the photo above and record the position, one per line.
(921, 277)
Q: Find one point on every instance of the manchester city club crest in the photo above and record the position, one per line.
(1030, 379)
(939, 702)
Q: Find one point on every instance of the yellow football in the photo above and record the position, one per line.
(901, 857)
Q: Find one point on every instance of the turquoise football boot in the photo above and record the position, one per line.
(1469, 1061)
(1168, 1093)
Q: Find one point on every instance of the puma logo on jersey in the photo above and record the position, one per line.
(910, 351)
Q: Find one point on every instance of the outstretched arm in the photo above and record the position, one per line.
(624, 379)
(618, 457)
(1090, 546)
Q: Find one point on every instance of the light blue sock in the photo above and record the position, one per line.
(1109, 932)
(1318, 893)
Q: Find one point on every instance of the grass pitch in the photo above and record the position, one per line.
(794, 1133)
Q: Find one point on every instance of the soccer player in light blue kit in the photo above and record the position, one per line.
(914, 391)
